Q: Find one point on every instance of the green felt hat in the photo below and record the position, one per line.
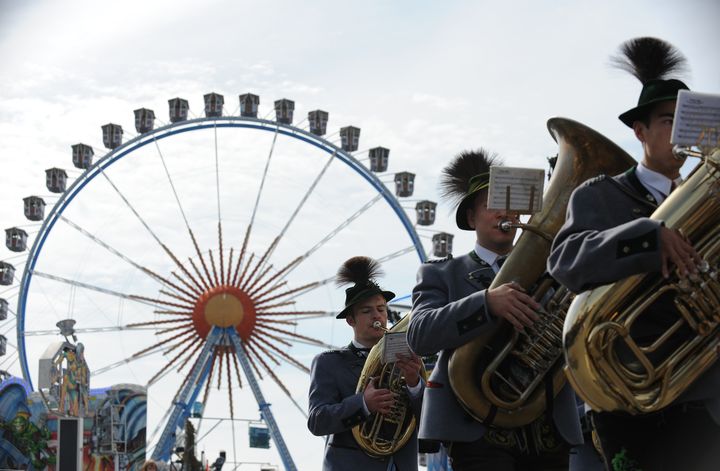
(361, 292)
(653, 92)
(361, 272)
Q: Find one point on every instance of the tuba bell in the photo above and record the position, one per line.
(383, 434)
(609, 365)
(499, 377)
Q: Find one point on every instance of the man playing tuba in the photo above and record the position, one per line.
(452, 305)
(608, 236)
(334, 406)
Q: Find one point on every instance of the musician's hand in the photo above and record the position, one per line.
(677, 250)
(510, 302)
(378, 400)
(410, 367)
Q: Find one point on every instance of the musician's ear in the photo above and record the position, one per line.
(470, 215)
(350, 319)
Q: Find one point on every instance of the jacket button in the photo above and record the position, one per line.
(626, 249)
(645, 245)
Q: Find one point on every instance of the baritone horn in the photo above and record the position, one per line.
(612, 367)
(384, 434)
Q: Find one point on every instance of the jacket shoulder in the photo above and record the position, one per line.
(440, 260)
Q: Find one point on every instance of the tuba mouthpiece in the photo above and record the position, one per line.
(378, 325)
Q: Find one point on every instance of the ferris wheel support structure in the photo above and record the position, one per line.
(184, 400)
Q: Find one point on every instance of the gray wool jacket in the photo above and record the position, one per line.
(448, 311)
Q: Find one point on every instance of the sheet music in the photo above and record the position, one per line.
(395, 342)
(696, 115)
(521, 181)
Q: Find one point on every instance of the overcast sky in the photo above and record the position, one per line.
(425, 79)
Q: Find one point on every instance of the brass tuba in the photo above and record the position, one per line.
(499, 377)
(383, 434)
(609, 365)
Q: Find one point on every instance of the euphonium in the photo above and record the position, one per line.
(384, 434)
(499, 377)
(609, 366)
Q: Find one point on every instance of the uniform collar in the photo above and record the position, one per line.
(657, 183)
(486, 255)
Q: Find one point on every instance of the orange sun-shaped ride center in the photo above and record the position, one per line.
(224, 306)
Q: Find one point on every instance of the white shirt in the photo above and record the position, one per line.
(658, 184)
(488, 256)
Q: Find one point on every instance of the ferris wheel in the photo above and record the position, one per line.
(202, 252)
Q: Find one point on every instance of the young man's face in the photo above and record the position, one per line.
(655, 139)
(486, 222)
(365, 313)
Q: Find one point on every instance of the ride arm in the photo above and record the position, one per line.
(438, 324)
(329, 412)
(602, 240)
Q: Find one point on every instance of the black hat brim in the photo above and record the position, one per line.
(388, 295)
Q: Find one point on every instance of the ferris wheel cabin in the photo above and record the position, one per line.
(55, 180)
(144, 120)
(284, 110)
(349, 138)
(318, 122)
(3, 309)
(178, 110)
(112, 135)
(7, 274)
(379, 159)
(249, 105)
(82, 156)
(442, 244)
(425, 212)
(213, 105)
(16, 239)
(34, 208)
(404, 184)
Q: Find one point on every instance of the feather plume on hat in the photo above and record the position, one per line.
(649, 58)
(455, 177)
(358, 270)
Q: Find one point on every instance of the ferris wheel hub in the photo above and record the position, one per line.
(224, 306)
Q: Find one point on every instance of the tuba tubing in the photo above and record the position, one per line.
(603, 318)
(583, 154)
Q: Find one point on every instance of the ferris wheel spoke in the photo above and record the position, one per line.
(284, 355)
(251, 292)
(294, 313)
(132, 297)
(262, 275)
(337, 230)
(173, 312)
(306, 196)
(244, 272)
(307, 287)
(269, 290)
(240, 257)
(200, 256)
(270, 372)
(189, 356)
(220, 253)
(251, 359)
(261, 325)
(169, 364)
(176, 296)
(150, 323)
(147, 227)
(229, 380)
(185, 332)
(202, 284)
(396, 254)
(212, 264)
(172, 329)
(264, 257)
(127, 259)
(221, 356)
(122, 362)
(237, 370)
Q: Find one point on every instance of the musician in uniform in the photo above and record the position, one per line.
(334, 405)
(608, 236)
(451, 306)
